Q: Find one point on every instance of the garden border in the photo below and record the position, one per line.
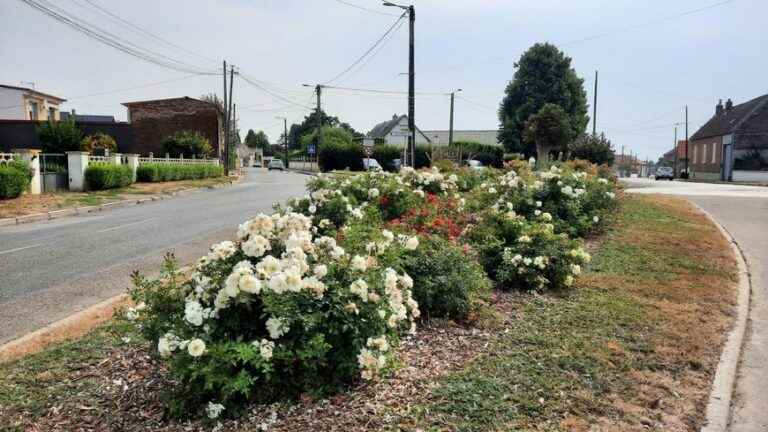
(74, 211)
(718, 412)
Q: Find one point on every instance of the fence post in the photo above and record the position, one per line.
(77, 162)
(32, 157)
(181, 157)
(117, 158)
(133, 163)
(151, 157)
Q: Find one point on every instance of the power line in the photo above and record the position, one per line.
(363, 8)
(114, 41)
(479, 105)
(378, 50)
(368, 51)
(365, 90)
(254, 83)
(138, 29)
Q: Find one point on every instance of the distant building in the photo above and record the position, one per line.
(21, 103)
(154, 120)
(395, 132)
(733, 144)
(440, 137)
(87, 118)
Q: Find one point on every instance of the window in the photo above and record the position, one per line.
(704, 154)
(714, 153)
(695, 153)
(51, 114)
(33, 110)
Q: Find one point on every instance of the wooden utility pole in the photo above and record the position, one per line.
(412, 86)
(450, 128)
(224, 118)
(686, 141)
(594, 109)
(318, 90)
(674, 167)
(229, 118)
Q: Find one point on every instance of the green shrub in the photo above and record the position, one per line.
(14, 178)
(100, 176)
(161, 172)
(386, 154)
(98, 141)
(59, 136)
(340, 156)
(275, 314)
(187, 144)
(423, 155)
(448, 282)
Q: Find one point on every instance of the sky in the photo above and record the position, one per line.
(654, 57)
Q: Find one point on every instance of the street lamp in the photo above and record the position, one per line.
(285, 139)
(411, 81)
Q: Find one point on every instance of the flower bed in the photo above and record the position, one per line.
(316, 296)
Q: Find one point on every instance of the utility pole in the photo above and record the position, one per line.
(674, 167)
(412, 85)
(224, 116)
(318, 90)
(450, 130)
(594, 109)
(686, 141)
(229, 118)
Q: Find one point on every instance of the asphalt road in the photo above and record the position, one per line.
(51, 269)
(743, 211)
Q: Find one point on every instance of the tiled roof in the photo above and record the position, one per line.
(382, 129)
(748, 116)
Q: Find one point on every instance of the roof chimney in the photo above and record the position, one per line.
(728, 105)
(719, 107)
(394, 116)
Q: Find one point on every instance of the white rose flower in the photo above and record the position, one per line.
(359, 263)
(164, 347)
(196, 347)
(265, 348)
(277, 327)
(596, 219)
(193, 313)
(214, 410)
(249, 284)
(312, 209)
(373, 193)
(412, 243)
(256, 246)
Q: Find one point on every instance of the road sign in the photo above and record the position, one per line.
(311, 148)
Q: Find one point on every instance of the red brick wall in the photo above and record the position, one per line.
(154, 121)
(700, 153)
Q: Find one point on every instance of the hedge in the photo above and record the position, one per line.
(160, 172)
(386, 154)
(339, 156)
(14, 178)
(102, 176)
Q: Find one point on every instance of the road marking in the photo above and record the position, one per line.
(124, 225)
(20, 249)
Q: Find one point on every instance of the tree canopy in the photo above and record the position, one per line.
(544, 76)
(594, 148)
(547, 131)
(256, 139)
(309, 124)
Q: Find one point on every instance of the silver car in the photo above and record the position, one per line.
(276, 164)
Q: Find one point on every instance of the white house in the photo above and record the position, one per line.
(395, 132)
(21, 103)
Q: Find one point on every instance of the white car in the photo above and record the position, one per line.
(475, 165)
(371, 165)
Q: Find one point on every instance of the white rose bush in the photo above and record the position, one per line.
(317, 296)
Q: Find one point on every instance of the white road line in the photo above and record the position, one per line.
(20, 249)
(124, 225)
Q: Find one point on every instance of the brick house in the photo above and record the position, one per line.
(733, 144)
(154, 120)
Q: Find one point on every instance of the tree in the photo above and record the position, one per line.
(548, 130)
(594, 148)
(309, 124)
(256, 139)
(60, 136)
(187, 143)
(98, 140)
(544, 75)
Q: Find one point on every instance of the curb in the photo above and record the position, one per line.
(74, 211)
(718, 413)
(305, 172)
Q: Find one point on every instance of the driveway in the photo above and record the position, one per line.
(51, 269)
(743, 211)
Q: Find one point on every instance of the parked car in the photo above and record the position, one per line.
(475, 165)
(665, 173)
(276, 164)
(397, 164)
(371, 164)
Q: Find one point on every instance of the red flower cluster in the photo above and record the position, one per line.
(438, 216)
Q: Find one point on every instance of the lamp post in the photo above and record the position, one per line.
(411, 81)
(285, 139)
(450, 130)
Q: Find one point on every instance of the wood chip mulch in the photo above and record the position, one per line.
(132, 384)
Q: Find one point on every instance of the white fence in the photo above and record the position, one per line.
(303, 165)
(182, 161)
(6, 157)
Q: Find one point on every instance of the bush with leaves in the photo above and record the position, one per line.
(59, 136)
(100, 176)
(98, 140)
(489, 155)
(187, 144)
(594, 148)
(386, 154)
(14, 178)
(275, 314)
(448, 282)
